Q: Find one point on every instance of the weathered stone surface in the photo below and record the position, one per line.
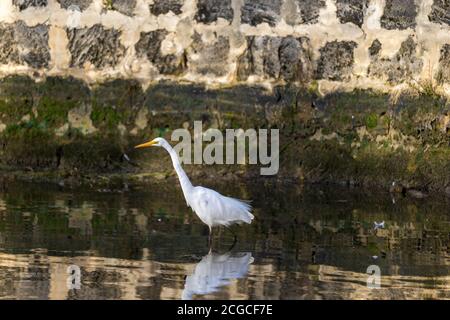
(399, 14)
(254, 12)
(291, 12)
(295, 59)
(401, 67)
(125, 7)
(440, 12)
(165, 6)
(351, 11)
(286, 58)
(8, 46)
(149, 45)
(32, 44)
(302, 11)
(24, 4)
(444, 64)
(375, 48)
(336, 60)
(261, 57)
(310, 10)
(211, 58)
(96, 45)
(209, 11)
(22, 44)
(82, 4)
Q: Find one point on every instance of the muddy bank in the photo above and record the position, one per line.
(63, 129)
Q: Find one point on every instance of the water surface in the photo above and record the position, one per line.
(306, 243)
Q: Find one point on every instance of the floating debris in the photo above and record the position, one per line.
(378, 225)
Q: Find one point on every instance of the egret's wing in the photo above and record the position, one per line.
(218, 209)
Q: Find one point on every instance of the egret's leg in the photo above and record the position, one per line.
(234, 235)
(210, 236)
(234, 242)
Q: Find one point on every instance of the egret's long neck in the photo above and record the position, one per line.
(186, 184)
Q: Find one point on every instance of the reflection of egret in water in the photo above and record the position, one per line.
(215, 271)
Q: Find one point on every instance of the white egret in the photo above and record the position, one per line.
(211, 207)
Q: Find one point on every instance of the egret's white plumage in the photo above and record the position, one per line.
(210, 206)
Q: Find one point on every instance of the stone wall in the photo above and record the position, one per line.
(356, 87)
(337, 43)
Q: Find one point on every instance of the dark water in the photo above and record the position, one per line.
(145, 244)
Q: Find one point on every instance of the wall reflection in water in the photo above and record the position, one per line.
(304, 244)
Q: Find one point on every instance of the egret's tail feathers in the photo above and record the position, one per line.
(241, 210)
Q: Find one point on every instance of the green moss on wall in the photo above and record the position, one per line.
(361, 137)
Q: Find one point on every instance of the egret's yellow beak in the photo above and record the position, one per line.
(145, 145)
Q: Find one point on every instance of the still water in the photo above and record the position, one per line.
(305, 243)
